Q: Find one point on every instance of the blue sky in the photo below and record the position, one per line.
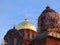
(11, 10)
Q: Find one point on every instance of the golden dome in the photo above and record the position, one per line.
(26, 25)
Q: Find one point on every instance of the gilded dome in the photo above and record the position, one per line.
(26, 25)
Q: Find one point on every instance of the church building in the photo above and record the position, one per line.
(47, 33)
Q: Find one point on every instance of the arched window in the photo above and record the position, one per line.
(30, 35)
(26, 35)
(15, 41)
(9, 41)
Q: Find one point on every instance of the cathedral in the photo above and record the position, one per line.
(47, 33)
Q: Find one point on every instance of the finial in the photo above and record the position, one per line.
(26, 19)
(14, 27)
(14, 24)
(47, 6)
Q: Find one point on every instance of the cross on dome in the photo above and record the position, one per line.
(26, 19)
